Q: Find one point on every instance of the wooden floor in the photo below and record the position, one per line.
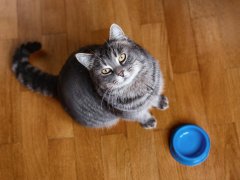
(198, 45)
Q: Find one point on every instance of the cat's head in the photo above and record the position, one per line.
(117, 63)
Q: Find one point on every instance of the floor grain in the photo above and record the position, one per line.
(197, 43)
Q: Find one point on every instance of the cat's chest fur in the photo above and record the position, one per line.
(141, 94)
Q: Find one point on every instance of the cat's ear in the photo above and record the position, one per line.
(85, 59)
(116, 32)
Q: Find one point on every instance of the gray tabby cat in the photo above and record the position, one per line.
(100, 83)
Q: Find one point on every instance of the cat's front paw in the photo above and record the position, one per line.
(150, 124)
(163, 103)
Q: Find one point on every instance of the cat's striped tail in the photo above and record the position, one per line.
(30, 76)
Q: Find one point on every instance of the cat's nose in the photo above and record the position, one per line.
(119, 72)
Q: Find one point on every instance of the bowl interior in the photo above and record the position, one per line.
(190, 143)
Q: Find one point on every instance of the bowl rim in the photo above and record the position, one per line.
(195, 159)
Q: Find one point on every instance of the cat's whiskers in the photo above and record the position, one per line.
(113, 100)
(117, 96)
(108, 90)
(109, 95)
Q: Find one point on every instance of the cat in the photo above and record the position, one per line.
(99, 84)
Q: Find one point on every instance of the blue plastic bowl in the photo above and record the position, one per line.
(190, 145)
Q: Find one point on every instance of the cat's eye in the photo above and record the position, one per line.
(122, 58)
(106, 71)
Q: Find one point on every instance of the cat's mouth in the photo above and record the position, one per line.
(127, 79)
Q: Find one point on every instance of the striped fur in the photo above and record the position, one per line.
(91, 97)
(30, 76)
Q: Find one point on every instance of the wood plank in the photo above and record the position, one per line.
(100, 36)
(18, 161)
(10, 104)
(6, 103)
(189, 106)
(202, 8)
(211, 58)
(229, 25)
(166, 163)
(53, 16)
(142, 152)
(8, 19)
(151, 11)
(34, 136)
(99, 19)
(6, 162)
(180, 36)
(11, 162)
(15, 97)
(62, 163)
(227, 14)
(233, 76)
(78, 24)
(225, 153)
(116, 160)
(88, 153)
(29, 18)
(119, 128)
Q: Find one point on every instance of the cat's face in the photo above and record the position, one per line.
(117, 63)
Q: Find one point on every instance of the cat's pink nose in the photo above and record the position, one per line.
(119, 72)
